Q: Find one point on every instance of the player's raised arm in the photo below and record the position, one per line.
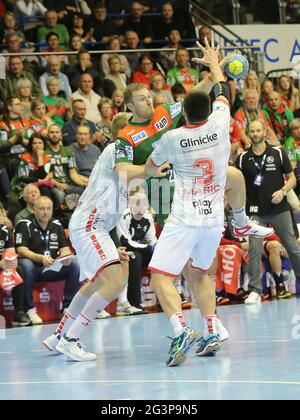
(218, 82)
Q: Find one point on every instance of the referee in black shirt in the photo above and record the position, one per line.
(266, 169)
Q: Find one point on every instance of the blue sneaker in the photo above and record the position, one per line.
(180, 346)
(209, 346)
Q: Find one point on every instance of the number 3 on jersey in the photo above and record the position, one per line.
(206, 172)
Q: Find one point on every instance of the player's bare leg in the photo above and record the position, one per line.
(91, 298)
(170, 301)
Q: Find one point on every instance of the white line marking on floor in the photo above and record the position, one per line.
(39, 351)
(6, 352)
(245, 342)
(105, 382)
(280, 341)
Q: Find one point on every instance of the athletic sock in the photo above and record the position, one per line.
(178, 323)
(240, 217)
(210, 326)
(93, 307)
(78, 303)
(122, 298)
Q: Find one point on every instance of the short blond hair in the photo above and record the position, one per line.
(131, 89)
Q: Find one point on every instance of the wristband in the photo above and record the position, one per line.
(221, 89)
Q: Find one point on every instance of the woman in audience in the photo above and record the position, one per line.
(24, 89)
(78, 27)
(9, 24)
(267, 87)
(75, 45)
(104, 126)
(252, 82)
(145, 70)
(114, 43)
(158, 87)
(289, 94)
(115, 79)
(40, 119)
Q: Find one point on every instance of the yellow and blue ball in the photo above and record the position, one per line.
(237, 66)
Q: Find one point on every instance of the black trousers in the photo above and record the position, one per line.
(142, 259)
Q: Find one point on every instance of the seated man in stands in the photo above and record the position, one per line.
(30, 194)
(39, 241)
(20, 319)
(86, 154)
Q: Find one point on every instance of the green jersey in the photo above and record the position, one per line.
(136, 142)
(61, 163)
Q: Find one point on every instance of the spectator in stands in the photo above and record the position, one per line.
(279, 116)
(53, 70)
(89, 96)
(79, 27)
(52, 40)
(20, 319)
(86, 154)
(29, 9)
(63, 167)
(168, 58)
(65, 8)
(267, 87)
(249, 112)
(205, 32)
(9, 24)
(114, 43)
(13, 46)
(132, 43)
(40, 120)
(15, 132)
(34, 166)
(138, 23)
(265, 169)
(78, 118)
(136, 232)
(24, 91)
(144, 71)
(252, 82)
(104, 127)
(165, 23)
(178, 92)
(158, 87)
(75, 45)
(102, 25)
(118, 104)
(85, 65)
(158, 100)
(115, 78)
(40, 240)
(55, 102)
(30, 194)
(182, 73)
(288, 93)
(51, 25)
(8, 87)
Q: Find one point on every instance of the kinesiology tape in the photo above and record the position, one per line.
(221, 89)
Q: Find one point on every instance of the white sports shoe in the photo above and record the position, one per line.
(33, 316)
(103, 315)
(72, 348)
(51, 342)
(222, 332)
(252, 229)
(253, 299)
(127, 309)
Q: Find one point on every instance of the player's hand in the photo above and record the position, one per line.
(123, 254)
(157, 171)
(210, 52)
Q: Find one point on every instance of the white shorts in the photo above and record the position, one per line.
(95, 251)
(177, 244)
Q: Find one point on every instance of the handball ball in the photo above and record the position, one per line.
(237, 66)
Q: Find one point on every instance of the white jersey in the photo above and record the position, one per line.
(104, 200)
(199, 155)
